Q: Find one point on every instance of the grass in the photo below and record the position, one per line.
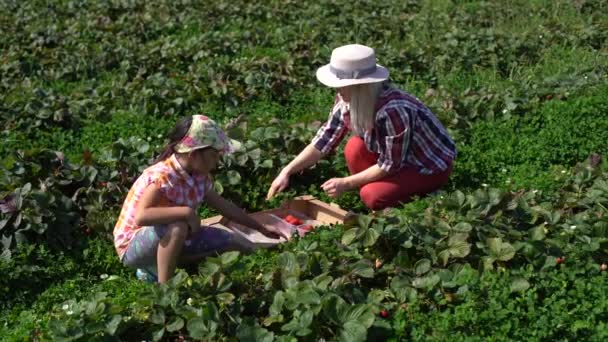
(537, 47)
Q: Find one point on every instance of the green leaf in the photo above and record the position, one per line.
(376, 296)
(537, 233)
(426, 282)
(218, 187)
(225, 297)
(198, 328)
(209, 268)
(229, 258)
(234, 177)
(353, 331)
(519, 284)
(370, 237)
(308, 297)
(458, 246)
(241, 159)
(249, 332)
(553, 217)
(322, 281)
(255, 154)
(500, 250)
(288, 263)
(422, 266)
(157, 335)
(462, 227)
(143, 147)
(364, 221)
(488, 262)
(277, 304)
(495, 196)
(361, 313)
(363, 269)
(175, 325)
(113, 324)
(400, 282)
(349, 236)
(270, 320)
(304, 322)
(444, 256)
(157, 317)
(267, 164)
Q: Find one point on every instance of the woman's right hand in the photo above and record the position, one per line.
(279, 184)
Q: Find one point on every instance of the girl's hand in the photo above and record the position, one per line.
(279, 184)
(194, 221)
(335, 187)
(270, 233)
(276, 232)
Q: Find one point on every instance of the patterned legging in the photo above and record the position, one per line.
(142, 249)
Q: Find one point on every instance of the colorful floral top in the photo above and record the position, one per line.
(178, 188)
(406, 133)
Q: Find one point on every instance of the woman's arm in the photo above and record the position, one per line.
(308, 157)
(371, 174)
(234, 213)
(148, 213)
(327, 138)
(336, 186)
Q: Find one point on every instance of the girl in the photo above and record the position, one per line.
(159, 225)
(399, 149)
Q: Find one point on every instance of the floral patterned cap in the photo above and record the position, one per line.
(204, 132)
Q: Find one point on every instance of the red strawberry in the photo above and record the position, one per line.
(560, 260)
(384, 314)
(293, 220)
(306, 228)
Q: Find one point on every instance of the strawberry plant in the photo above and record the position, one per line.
(513, 248)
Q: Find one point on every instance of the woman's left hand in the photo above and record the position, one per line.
(335, 187)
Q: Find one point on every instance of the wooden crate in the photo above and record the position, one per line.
(307, 208)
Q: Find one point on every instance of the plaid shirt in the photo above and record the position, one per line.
(177, 187)
(406, 133)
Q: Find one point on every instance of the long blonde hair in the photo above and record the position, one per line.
(363, 106)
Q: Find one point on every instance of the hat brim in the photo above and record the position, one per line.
(230, 146)
(325, 76)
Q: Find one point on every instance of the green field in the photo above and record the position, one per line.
(514, 248)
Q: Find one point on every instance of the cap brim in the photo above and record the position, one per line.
(325, 76)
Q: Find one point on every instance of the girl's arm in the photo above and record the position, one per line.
(148, 213)
(234, 213)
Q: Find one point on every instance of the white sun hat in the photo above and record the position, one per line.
(352, 64)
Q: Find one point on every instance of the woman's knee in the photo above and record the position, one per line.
(372, 198)
(354, 147)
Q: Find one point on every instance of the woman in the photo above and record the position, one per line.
(398, 150)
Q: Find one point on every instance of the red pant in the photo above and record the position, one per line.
(398, 187)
